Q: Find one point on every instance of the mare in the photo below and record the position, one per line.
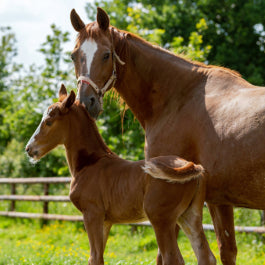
(108, 189)
(206, 114)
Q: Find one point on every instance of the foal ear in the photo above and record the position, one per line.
(68, 102)
(62, 93)
(76, 21)
(102, 19)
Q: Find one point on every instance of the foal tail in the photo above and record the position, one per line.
(172, 169)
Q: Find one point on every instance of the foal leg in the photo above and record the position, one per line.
(223, 220)
(106, 228)
(94, 225)
(191, 223)
(163, 203)
(168, 247)
(159, 260)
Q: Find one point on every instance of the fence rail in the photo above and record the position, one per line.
(46, 198)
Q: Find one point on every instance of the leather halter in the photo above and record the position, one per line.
(101, 91)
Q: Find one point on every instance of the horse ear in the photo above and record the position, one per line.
(62, 93)
(102, 19)
(68, 102)
(76, 21)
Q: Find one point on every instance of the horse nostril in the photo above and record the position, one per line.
(27, 149)
(92, 101)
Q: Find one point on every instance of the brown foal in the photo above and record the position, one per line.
(108, 189)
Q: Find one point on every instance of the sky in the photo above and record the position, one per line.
(30, 20)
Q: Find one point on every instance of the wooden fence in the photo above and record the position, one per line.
(46, 198)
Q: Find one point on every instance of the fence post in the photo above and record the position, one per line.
(46, 203)
(263, 218)
(13, 192)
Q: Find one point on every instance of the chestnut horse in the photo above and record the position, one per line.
(108, 189)
(206, 114)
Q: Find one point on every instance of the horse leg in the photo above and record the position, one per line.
(166, 240)
(106, 228)
(223, 220)
(94, 225)
(159, 260)
(173, 200)
(191, 223)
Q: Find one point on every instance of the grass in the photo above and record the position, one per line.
(26, 242)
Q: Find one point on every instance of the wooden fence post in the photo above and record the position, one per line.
(13, 192)
(263, 218)
(46, 203)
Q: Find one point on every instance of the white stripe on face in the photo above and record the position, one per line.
(44, 116)
(89, 48)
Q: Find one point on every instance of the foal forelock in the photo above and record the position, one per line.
(89, 48)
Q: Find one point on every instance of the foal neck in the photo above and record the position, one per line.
(84, 145)
(152, 76)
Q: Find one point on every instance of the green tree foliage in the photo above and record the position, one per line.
(7, 67)
(234, 36)
(29, 92)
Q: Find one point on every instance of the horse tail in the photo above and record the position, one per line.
(172, 169)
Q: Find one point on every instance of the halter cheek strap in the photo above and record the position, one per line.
(101, 91)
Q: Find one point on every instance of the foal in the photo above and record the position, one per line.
(108, 189)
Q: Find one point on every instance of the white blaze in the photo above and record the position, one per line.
(44, 116)
(89, 48)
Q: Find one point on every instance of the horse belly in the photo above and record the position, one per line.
(239, 186)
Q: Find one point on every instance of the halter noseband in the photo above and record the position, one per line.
(101, 91)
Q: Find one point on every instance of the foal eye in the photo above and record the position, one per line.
(106, 56)
(48, 123)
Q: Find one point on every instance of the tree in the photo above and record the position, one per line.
(235, 29)
(7, 68)
(29, 93)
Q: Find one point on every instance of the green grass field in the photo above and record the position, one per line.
(25, 242)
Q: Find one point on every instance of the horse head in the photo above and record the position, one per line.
(95, 60)
(52, 127)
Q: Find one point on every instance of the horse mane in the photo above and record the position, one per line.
(91, 30)
(125, 36)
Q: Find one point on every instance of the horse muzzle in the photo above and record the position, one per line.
(91, 100)
(32, 152)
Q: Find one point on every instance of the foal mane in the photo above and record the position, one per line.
(79, 107)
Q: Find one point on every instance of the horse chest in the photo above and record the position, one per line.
(84, 191)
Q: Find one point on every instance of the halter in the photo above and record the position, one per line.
(101, 91)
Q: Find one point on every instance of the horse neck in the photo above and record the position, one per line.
(152, 76)
(84, 145)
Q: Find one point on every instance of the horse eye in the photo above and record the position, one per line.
(48, 123)
(82, 60)
(106, 56)
(72, 57)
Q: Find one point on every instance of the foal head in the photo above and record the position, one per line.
(52, 128)
(95, 60)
